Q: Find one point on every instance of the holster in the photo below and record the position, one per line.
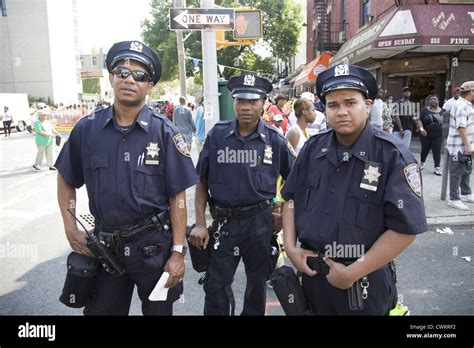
(274, 253)
(356, 302)
(102, 251)
(289, 291)
(80, 280)
(199, 257)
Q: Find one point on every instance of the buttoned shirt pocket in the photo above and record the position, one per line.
(363, 208)
(97, 171)
(266, 180)
(149, 181)
(221, 173)
(308, 194)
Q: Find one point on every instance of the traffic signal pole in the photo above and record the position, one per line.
(209, 58)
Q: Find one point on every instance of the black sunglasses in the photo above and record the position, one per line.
(137, 75)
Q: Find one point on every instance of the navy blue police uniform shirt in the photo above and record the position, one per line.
(128, 175)
(240, 170)
(355, 199)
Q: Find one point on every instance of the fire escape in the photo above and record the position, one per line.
(323, 30)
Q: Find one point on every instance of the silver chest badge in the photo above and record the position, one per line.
(267, 157)
(370, 181)
(151, 157)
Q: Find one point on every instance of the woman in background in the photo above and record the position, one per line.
(44, 135)
(430, 125)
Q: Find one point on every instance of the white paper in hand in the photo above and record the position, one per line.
(160, 293)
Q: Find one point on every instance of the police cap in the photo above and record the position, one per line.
(346, 76)
(137, 51)
(249, 86)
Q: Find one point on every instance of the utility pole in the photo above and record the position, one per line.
(181, 52)
(209, 57)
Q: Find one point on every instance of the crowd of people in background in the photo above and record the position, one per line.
(401, 117)
(297, 118)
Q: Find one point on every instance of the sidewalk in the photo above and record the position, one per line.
(438, 213)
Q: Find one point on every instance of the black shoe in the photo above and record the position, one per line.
(52, 168)
(36, 167)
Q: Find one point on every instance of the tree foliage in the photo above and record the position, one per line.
(282, 22)
(157, 34)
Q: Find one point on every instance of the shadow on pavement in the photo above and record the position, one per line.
(39, 292)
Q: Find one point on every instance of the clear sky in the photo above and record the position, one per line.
(103, 22)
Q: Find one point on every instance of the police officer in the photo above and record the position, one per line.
(356, 194)
(136, 168)
(238, 168)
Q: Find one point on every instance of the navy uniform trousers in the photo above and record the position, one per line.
(248, 239)
(113, 294)
(325, 299)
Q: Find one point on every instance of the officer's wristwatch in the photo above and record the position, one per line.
(182, 249)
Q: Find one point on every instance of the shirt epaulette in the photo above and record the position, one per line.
(397, 143)
(389, 138)
(316, 137)
(158, 114)
(321, 132)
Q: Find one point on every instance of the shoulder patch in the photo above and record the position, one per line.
(180, 144)
(413, 178)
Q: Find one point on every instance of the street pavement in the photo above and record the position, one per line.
(438, 213)
(433, 276)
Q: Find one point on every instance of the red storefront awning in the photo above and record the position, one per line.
(418, 28)
(312, 69)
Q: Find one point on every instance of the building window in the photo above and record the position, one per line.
(94, 61)
(3, 5)
(365, 12)
(82, 61)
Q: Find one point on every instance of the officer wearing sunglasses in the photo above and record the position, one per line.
(136, 168)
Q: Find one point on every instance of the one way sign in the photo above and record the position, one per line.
(198, 19)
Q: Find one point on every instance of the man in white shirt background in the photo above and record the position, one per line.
(448, 105)
(460, 144)
(376, 111)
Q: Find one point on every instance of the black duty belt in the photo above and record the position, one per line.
(221, 212)
(344, 261)
(133, 232)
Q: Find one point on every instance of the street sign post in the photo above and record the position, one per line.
(199, 19)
